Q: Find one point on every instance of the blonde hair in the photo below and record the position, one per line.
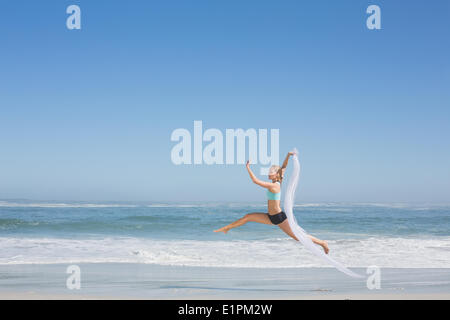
(278, 170)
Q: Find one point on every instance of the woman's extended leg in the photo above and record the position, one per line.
(255, 217)
(287, 229)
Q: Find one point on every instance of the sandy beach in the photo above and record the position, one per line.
(138, 281)
(37, 296)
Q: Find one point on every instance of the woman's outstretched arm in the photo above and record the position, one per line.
(268, 185)
(285, 163)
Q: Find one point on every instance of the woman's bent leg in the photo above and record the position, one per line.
(287, 229)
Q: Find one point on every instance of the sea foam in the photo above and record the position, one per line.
(268, 253)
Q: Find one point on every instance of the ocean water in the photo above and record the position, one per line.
(181, 234)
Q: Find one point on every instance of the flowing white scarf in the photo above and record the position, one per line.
(299, 233)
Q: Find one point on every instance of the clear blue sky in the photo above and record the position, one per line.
(87, 114)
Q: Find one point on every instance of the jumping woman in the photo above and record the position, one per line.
(275, 215)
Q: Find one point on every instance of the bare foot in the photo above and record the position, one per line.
(223, 229)
(325, 247)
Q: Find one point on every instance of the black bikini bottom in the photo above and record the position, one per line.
(277, 218)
